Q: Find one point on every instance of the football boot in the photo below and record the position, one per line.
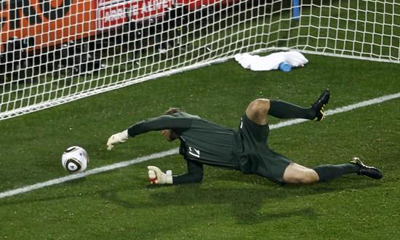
(365, 170)
(319, 105)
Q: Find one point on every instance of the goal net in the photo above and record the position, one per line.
(56, 51)
(367, 29)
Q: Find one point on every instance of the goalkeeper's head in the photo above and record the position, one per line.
(168, 133)
(172, 110)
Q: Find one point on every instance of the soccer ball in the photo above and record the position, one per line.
(75, 159)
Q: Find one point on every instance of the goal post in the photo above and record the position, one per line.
(57, 51)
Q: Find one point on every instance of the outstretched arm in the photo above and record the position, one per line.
(159, 123)
(152, 124)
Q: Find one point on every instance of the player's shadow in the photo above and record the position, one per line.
(245, 203)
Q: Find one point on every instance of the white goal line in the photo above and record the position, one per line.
(71, 177)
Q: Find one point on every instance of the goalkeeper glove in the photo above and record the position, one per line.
(117, 138)
(156, 176)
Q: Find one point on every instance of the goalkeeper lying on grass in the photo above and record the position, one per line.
(245, 150)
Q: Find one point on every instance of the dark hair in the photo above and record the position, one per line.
(172, 110)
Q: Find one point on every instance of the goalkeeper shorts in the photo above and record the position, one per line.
(256, 157)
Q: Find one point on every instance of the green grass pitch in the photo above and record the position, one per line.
(120, 204)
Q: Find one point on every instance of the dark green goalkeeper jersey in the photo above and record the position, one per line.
(201, 141)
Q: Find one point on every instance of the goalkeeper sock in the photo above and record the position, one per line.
(330, 172)
(281, 109)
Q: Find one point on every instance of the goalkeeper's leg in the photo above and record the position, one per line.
(259, 109)
(296, 173)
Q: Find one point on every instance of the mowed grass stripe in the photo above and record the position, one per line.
(175, 150)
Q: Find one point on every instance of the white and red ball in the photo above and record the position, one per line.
(75, 159)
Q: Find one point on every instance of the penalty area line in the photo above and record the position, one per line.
(174, 151)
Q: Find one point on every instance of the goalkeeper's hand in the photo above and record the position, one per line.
(117, 138)
(156, 176)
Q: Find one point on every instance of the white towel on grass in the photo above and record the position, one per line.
(272, 61)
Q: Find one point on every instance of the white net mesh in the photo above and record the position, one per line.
(53, 52)
(357, 29)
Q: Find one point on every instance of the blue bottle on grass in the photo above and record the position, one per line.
(285, 67)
